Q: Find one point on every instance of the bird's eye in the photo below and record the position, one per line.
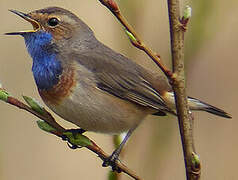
(53, 22)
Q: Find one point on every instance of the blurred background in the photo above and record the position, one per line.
(154, 151)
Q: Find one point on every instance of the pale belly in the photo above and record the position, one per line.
(98, 111)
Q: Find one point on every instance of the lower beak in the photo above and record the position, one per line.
(27, 17)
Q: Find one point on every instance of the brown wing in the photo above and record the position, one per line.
(123, 78)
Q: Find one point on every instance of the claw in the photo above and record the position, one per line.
(64, 138)
(74, 132)
(111, 161)
(72, 146)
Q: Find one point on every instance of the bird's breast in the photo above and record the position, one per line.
(63, 89)
(77, 99)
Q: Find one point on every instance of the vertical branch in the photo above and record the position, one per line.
(185, 119)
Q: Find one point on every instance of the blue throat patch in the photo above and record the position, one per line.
(46, 68)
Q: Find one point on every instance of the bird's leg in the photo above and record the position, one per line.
(111, 160)
(74, 132)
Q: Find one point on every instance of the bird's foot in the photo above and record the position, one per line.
(112, 161)
(74, 132)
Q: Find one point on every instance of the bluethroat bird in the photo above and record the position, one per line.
(89, 84)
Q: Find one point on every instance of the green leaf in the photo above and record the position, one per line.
(36, 106)
(112, 175)
(4, 95)
(45, 126)
(77, 139)
(131, 36)
(187, 12)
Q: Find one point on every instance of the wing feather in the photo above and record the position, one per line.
(121, 77)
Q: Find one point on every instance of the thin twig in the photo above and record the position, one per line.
(113, 7)
(178, 85)
(59, 130)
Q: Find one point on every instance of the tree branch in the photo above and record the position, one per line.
(178, 84)
(54, 128)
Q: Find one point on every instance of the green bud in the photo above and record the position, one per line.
(4, 95)
(131, 36)
(195, 160)
(77, 139)
(187, 12)
(45, 126)
(36, 106)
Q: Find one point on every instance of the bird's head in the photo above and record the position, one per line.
(58, 22)
(54, 31)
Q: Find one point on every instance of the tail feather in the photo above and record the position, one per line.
(196, 104)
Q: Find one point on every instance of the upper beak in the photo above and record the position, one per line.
(27, 17)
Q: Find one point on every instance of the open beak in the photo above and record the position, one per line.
(35, 24)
